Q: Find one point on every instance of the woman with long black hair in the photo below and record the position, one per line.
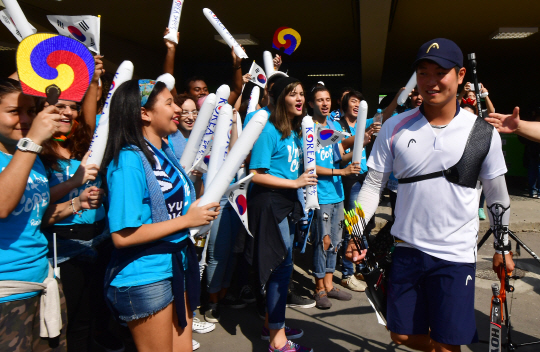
(152, 282)
(274, 207)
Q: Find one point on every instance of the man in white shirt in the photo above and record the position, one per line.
(431, 284)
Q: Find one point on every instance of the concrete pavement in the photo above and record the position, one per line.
(352, 326)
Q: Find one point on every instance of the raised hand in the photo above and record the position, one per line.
(505, 123)
(246, 78)
(277, 62)
(45, 124)
(99, 70)
(85, 172)
(169, 44)
(237, 61)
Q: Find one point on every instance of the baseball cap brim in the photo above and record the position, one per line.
(444, 63)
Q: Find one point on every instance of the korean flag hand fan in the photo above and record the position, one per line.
(55, 67)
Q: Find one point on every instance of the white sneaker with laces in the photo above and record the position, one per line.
(196, 345)
(202, 327)
(353, 284)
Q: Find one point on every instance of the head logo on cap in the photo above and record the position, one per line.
(434, 45)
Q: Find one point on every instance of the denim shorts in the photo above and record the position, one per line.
(136, 302)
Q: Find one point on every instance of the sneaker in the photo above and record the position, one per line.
(359, 276)
(232, 302)
(481, 214)
(202, 327)
(296, 301)
(196, 345)
(336, 293)
(212, 314)
(290, 333)
(290, 347)
(247, 295)
(109, 342)
(353, 284)
(321, 300)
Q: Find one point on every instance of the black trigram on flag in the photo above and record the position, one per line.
(257, 70)
(60, 24)
(84, 26)
(92, 43)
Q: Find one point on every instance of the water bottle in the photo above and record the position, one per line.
(377, 118)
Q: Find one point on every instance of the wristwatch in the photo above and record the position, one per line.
(27, 145)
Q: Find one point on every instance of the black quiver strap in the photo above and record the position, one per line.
(466, 171)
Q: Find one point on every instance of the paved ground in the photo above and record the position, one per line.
(352, 326)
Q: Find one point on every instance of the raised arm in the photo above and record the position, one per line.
(15, 176)
(387, 113)
(168, 65)
(489, 105)
(513, 124)
(464, 91)
(89, 103)
(236, 88)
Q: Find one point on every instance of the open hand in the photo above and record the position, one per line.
(505, 123)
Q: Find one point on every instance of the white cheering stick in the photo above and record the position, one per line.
(199, 128)
(408, 89)
(360, 131)
(174, 20)
(236, 157)
(225, 34)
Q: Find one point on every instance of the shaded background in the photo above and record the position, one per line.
(371, 42)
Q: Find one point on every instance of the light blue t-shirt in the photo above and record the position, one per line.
(251, 114)
(129, 201)
(23, 247)
(67, 170)
(329, 188)
(363, 165)
(280, 157)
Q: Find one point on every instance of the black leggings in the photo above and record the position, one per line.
(83, 287)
